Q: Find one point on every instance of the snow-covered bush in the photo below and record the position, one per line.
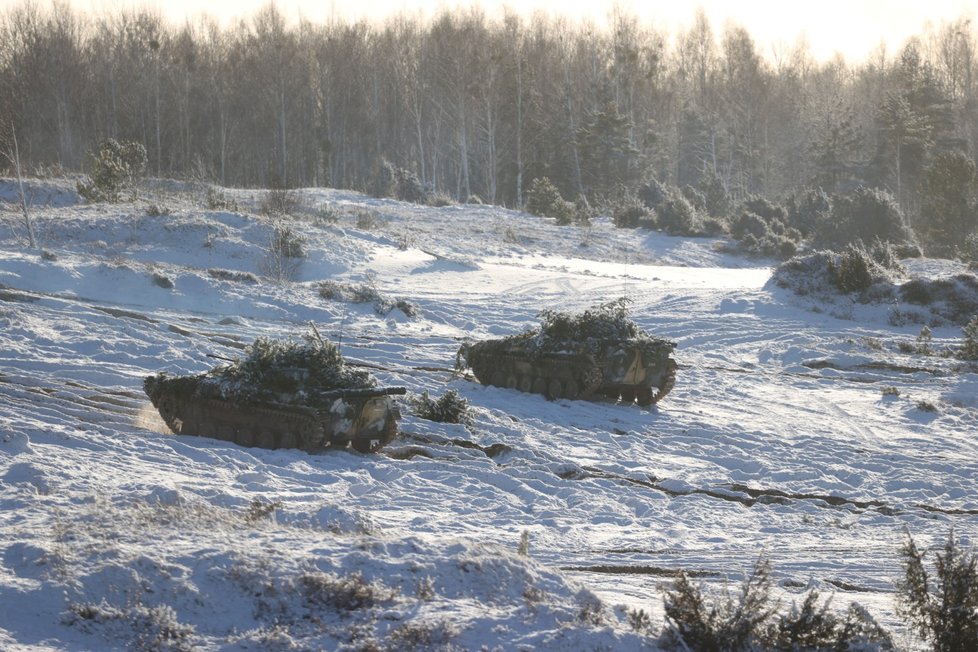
(218, 200)
(367, 220)
(285, 369)
(450, 407)
(279, 201)
(232, 275)
(825, 273)
(286, 242)
(143, 627)
(365, 293)
(945, 613)
(350, 592)
(440, 199)
(284, 255)
(750, 621)
(630, 212)
(761, 229)
(953, 298)
(116, 169)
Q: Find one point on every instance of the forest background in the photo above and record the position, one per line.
(477, 107)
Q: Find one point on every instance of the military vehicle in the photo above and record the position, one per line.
(599, 354)
(281, 395)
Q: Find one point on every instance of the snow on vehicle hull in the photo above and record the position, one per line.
(364, 419)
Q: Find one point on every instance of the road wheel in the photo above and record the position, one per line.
(645, 396)
(288, 440)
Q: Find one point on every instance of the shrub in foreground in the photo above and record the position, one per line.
(451, 407)
(944, 612)
(750, 620)
(116, 169)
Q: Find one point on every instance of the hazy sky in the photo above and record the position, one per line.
(851, 27)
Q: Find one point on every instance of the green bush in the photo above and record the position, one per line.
(716, 201)
(396, 182)
(284, 255)
(808, 209)
(969, 348)
(748, 223)
(866, 214)
(286, 366)
(652, 193)
(948, 201)
(451, 407)
(676, 216)
(695, 197)
(826, 273)
(953, 298)
(288, 243)
(544, 199)
(693, 624)
(766, 209)
(764, 236)
(629, 212)
(116, 169)
(946, 612)
(750, 621)
(853, 271)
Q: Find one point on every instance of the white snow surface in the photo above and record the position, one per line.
(777, 441)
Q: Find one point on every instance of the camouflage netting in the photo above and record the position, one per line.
(591, 331)
(284, 371)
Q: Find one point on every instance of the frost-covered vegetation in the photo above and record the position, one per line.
(280, 370)
(788, 431)
(415, 109)
(590, 330)
(874, 275)
(284, 366)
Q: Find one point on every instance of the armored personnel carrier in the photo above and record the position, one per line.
(281, 395)
(597, 354)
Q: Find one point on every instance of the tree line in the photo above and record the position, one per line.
(481, 106)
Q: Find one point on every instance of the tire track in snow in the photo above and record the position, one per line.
(733, 492)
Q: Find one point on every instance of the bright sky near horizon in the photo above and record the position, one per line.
(854, 28)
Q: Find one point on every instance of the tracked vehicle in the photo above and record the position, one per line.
(281, 395)
(599, 354)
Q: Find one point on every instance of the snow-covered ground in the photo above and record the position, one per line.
(795, 434)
